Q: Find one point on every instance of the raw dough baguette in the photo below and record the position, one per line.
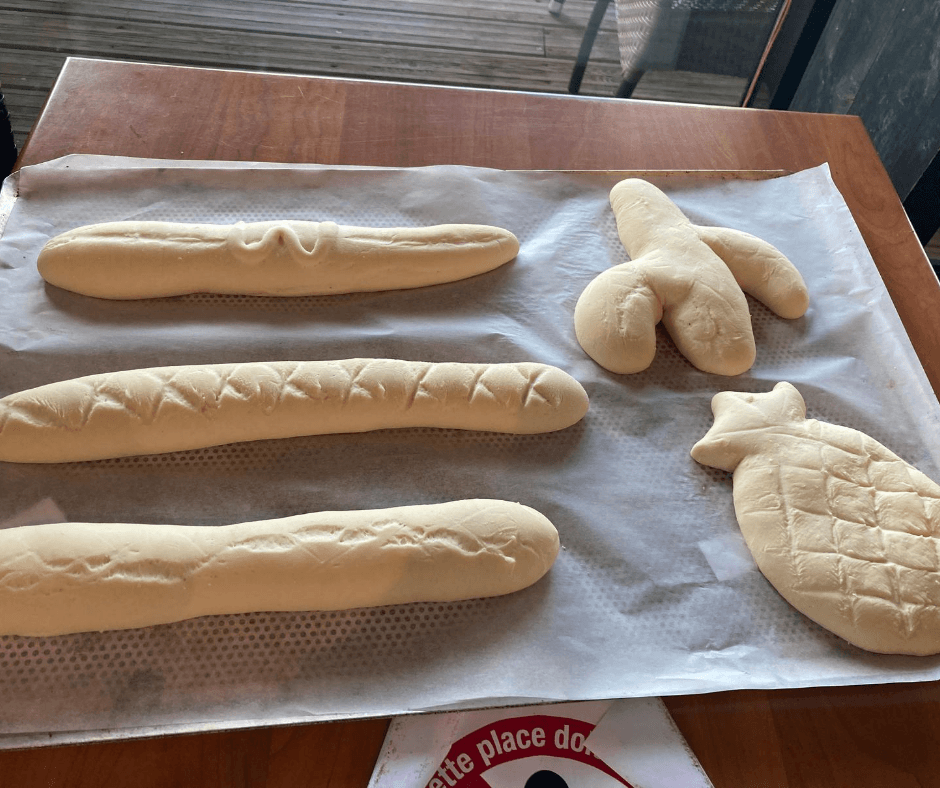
(124, 260)
(164, 409)
(79, 577)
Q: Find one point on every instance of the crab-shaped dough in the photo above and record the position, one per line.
(689, 277)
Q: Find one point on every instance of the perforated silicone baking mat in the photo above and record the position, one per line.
(653, 593)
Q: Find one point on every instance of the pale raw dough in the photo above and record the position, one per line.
(80, 577)
(123, 260)
(164, 409)
(689, 277)
(844, 529)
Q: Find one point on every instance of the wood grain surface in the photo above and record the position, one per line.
(501, 44)
(849, 736)
(334, 755)
(865, 737)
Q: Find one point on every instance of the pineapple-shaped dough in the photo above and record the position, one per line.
(843, 528)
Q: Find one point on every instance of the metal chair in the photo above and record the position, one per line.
(727, 37)
(7, 143)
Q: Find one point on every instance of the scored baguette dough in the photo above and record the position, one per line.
(165, 409)
(126, 260)
(80, 577)
(843, 528)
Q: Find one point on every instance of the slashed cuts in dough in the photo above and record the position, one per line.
(844, 529)
(165, 409)
(79, 577)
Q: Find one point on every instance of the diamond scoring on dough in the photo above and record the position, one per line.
(843, 528)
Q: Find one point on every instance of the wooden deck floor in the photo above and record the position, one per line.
(505, 44)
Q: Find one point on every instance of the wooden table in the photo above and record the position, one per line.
(858, 736)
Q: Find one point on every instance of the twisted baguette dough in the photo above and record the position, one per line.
(126, 260)
(164, 409)
(78, 577)
(689, 277)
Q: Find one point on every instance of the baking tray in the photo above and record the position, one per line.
(654, 592)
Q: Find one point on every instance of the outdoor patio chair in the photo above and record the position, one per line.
(726, 37)
(7, 143)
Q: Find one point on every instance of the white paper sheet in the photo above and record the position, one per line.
(641, 602)
(597, 744)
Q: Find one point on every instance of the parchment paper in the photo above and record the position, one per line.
(654, 592)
